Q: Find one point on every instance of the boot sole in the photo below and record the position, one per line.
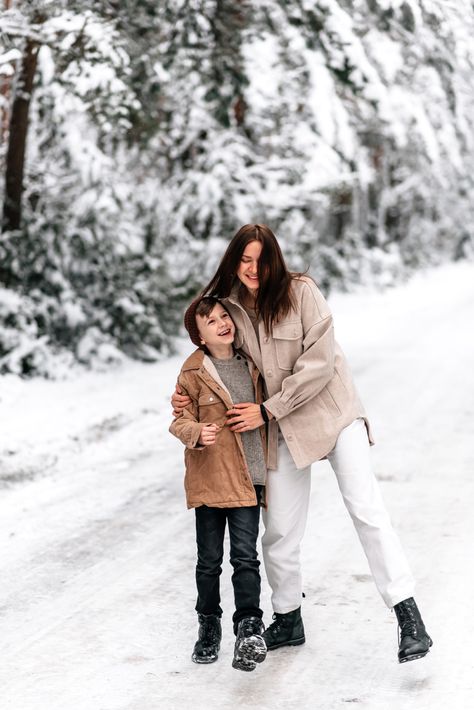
(203, 661)
(415, 656)
(294, 642)
(241, 665)
(253, 649)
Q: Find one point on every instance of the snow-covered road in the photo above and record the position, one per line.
(97, 547)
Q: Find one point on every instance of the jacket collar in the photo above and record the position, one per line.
(198, 360)
(211, 369)
(233, 296)
(245, 333)
(194, 361)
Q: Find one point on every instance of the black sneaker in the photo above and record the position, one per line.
(286, 630)
(250, 647)
(414, 642)
(207, 646)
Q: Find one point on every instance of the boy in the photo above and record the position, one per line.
(224, 480)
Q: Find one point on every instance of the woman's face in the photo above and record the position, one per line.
(248, 267)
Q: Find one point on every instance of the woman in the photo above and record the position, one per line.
(313, 411)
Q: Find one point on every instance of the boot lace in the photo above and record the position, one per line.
(407, 622)
(278, 624)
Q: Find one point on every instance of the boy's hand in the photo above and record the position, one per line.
(208, 434)
(179, 401)
(244, 417)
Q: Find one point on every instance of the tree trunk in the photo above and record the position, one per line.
(5, 93)
(18, 130)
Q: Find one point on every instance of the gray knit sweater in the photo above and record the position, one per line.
(235, 374)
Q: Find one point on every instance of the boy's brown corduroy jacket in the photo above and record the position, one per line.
(216, 475)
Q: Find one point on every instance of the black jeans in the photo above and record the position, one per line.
(243, 534)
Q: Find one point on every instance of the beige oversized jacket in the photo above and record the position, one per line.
(309, 385)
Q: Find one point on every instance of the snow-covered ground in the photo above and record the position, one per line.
(97, 547)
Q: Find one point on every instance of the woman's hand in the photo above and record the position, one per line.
(208, 434)
(179, 401)
(244, 417)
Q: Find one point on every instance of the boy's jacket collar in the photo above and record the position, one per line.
(194, 361)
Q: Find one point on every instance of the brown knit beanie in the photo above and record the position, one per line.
(190, 322)
(190, 317)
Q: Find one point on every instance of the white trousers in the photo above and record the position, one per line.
(288, 491)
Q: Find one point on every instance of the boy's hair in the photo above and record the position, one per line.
(201, 306)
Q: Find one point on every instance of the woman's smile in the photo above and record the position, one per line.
(247, 271)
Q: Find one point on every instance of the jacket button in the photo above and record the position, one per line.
(290, 437)
(211, 399)
(269, 373)
(265, 340)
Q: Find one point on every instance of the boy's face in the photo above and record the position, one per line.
(217, 328)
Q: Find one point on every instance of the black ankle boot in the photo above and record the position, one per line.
(207, 646)
(414, 641)
(286, 630)
(250, 647)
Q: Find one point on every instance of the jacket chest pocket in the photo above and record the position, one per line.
(211, 408)
(288, 339)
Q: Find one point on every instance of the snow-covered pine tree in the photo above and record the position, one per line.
(76, 260)
(201, 151)
(157, 129)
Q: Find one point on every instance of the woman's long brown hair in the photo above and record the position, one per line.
(274, 298)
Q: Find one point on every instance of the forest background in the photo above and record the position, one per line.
(137, 136)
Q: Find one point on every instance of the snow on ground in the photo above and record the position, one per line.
(97, 547)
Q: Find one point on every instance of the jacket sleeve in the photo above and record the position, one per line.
(186, 427)
(314, 368)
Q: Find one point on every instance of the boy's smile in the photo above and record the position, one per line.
(217, 331)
